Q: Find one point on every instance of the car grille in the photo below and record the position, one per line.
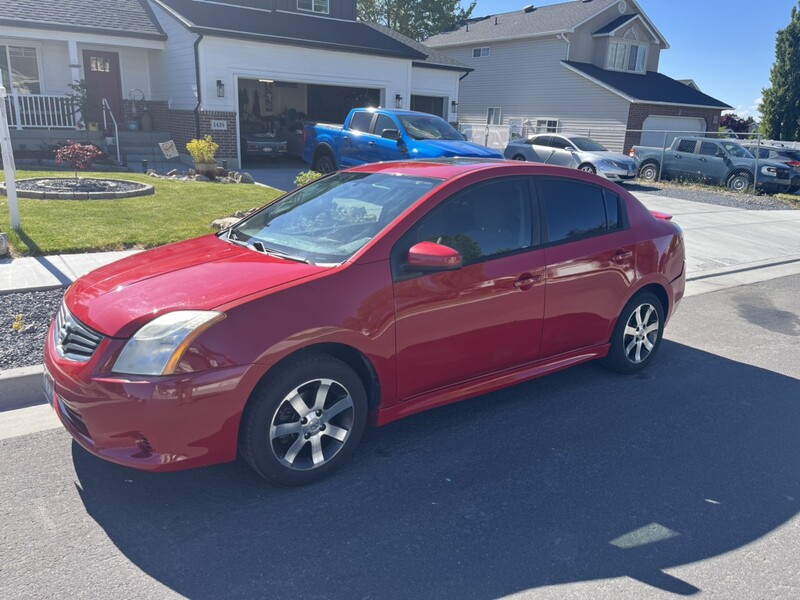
(74, 340)
(783, 174)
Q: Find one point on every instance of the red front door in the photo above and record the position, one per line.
(101, 71)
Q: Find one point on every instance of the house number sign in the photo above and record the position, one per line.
(219, 124)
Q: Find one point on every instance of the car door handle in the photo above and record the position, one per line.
(371, 144)
(527, 280)
(677, 156)
(621, 255)
(702, 159)
(346, 137)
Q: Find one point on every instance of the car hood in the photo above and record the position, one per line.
(198, 274)
(609, 155)
(460, 148)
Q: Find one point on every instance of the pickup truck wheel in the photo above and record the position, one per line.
(587, 168)
(324, 163)
(649, 172)
(740, 182)
(518, 157)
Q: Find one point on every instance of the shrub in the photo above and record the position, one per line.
(203, 151)
(78, 156)
(306, 177)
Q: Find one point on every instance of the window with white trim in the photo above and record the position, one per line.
(546, 126)
(494, 116)
(19, 68)
(317, 6)
(482, 52)
(624, 56)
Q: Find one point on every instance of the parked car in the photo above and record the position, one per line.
(368, 295)
(719, 162)
(782, 154)
(573, 151)
(377, 134)
(267, 145)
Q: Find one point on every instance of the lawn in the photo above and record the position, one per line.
(177, 211)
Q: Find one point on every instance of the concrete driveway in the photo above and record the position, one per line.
(280, 174)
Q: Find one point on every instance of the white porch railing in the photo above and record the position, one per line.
(40, 110)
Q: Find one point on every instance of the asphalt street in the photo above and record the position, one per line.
(681, 480)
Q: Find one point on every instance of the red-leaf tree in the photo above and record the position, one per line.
(78, 156)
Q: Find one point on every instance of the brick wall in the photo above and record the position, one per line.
(639, 112)
(182, 126)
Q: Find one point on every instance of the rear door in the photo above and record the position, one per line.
(591, 257)
(681, 161)
(353, 141)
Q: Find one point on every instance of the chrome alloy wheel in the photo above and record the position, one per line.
(312, 424)
(641, 333)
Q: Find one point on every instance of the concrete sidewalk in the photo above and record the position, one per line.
(719, 240)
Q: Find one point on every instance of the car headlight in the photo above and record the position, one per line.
(157, 348)
(771, 171)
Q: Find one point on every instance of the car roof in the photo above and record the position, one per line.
(449, 168)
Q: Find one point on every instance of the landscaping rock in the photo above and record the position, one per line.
(3, 244)
(152, 173)
(246, 178)
(201, 178)
(173, 173)
(224, 223)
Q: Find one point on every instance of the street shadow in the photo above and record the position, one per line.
(640, 187)
(578, 476)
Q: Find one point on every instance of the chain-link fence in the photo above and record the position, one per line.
(739, 161)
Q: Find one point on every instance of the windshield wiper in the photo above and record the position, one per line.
(260, 247)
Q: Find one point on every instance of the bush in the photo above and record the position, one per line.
(306, 177)
(78, 156)
(203, 151)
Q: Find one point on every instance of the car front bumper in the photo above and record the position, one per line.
(617, 174)
(163, 423)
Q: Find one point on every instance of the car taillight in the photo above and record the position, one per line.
(794, 163)
(661, 215)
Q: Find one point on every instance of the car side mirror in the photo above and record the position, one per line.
(390, 134)
(568, 148)
(430, 256)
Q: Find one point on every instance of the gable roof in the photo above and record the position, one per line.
(615, 24)
(651, 88)
(126, 18)
(555, 18)
(264, 25)
(435, 59)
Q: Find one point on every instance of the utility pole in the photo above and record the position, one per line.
(8, 162)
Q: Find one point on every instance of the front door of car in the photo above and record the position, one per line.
(710, 162)
(484, 317)
(591, 259)
(383, 148)
(563, 153)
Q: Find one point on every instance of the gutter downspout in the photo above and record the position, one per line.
(464, 75)
(197, 83)
(564, 37)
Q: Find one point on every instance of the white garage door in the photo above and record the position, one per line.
(655, 126)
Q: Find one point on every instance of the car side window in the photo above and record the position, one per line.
(708, 149)
(575, 210)
(361, 121)
(486, 220)
(686, 146)
(384, 122)
(542, 140)
(558, 143)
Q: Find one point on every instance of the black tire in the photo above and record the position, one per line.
(631, 337)
(649, 171)
(311, 448)
(740, 182)
(588, 168)
(519, 157)
(324, 163)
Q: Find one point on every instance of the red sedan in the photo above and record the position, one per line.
(368, 295)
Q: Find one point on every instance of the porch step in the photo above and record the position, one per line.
(142, 138)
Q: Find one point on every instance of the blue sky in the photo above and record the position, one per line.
(726, 46)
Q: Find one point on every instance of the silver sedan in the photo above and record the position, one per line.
(576, 152)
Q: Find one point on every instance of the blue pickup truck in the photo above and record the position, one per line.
(376, 134)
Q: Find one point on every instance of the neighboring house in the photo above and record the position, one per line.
(211, 67)
(586, 66)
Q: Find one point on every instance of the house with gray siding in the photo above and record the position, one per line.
(585, 66)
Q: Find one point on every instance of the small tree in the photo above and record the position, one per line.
(418, 19)
(78, 156)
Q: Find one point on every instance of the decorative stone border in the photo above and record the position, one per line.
(144, 189)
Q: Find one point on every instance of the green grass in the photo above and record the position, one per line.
(793, 198)
(177, 211)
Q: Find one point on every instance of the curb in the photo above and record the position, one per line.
(21, 387)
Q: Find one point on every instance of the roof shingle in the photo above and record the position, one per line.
(128, 18)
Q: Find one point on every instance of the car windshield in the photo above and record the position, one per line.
(331, 219)
(429, 127)
(587, 145)
(737, 150)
